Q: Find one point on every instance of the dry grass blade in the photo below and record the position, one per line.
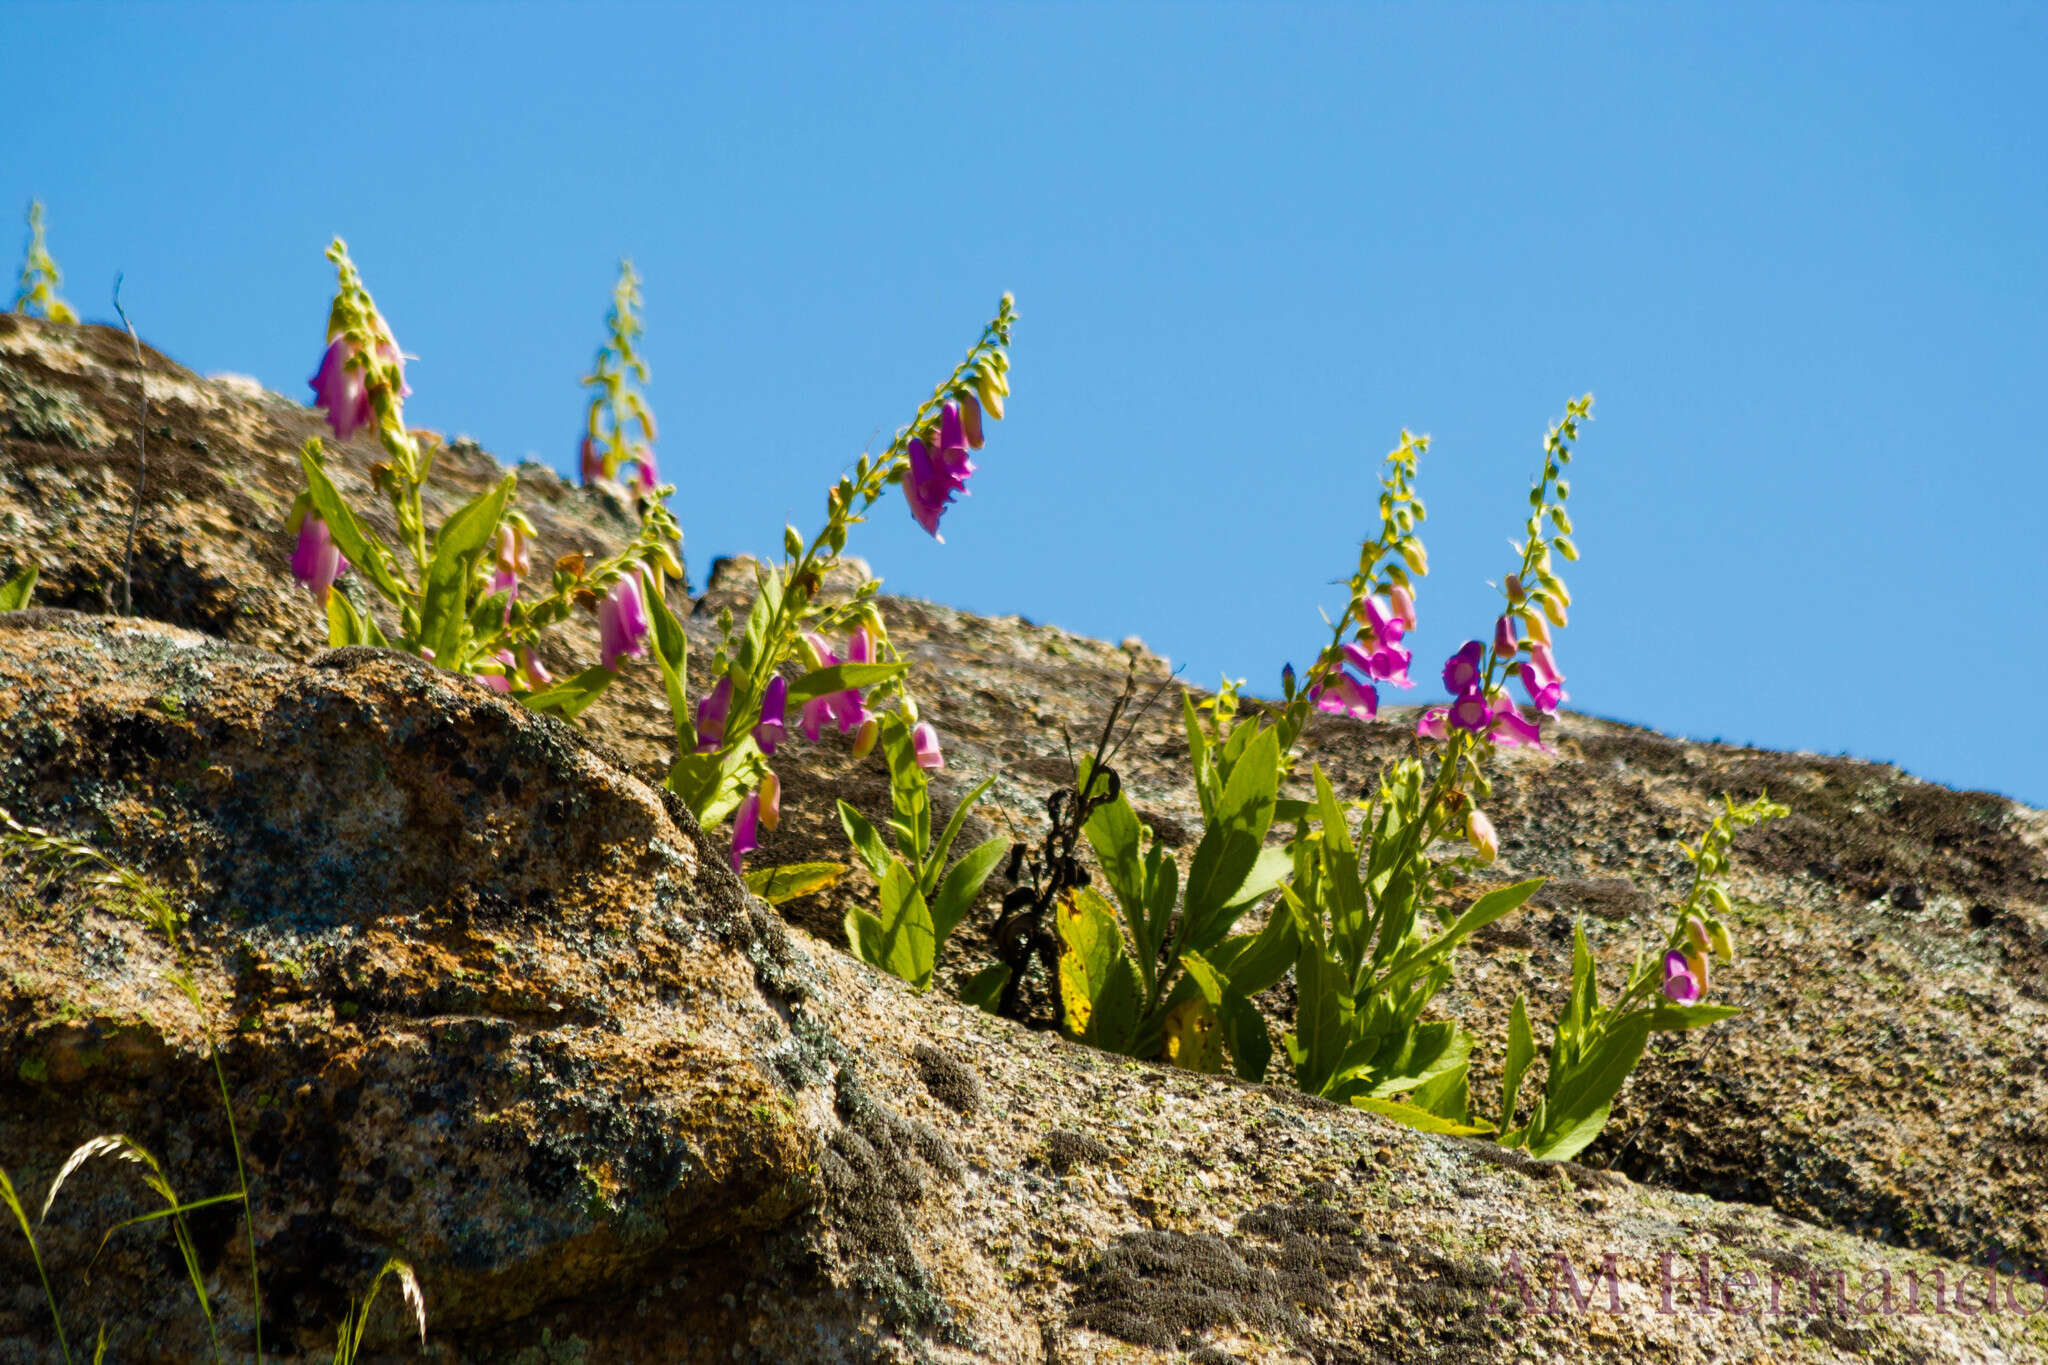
(357, 1319)
(86, 1151)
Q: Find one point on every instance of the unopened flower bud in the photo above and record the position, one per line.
(1480, 834)
(1417, 558)
(1516, 592)
(1720, 900)
(1553, 609)
(1696, 933)
(1538, 628)
(771, 800)
(1718, 940)
(864, 741)
(1404, 604)
(991, 398)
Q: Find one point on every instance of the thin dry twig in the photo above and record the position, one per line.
(141, 457)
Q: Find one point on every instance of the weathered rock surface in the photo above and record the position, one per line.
(487, 999)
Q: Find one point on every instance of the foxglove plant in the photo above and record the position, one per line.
(457, 596)
(620, 427)
(788, 627)
(37, 295)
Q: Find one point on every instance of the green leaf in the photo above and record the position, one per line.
(1256, 962)
(822, 682)
(18, 591)
(935, 862)
(363, 549)
(1098, 983)
(899, 940)
(1577, 1101)
(1114, 833)
(1448, 1095)
(347, 626)
(957, 893)
(787, 882)
(1478, 915)
(1323, 1016)
(1521, 1052)
(1420, 1119)
(1270, 868)
(1199, 765)
(984, 989)
(444, 600)
(1244, 1028)
(866, 841)
(1666, 1017)
(1230, 844)
(767, 603)
(570, 697)
(672, 656)
(1417, 1056)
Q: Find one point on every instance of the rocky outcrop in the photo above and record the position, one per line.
(487, 999)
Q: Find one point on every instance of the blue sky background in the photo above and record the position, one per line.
(1796, 252)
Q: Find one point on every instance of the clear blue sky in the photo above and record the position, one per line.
(1797, 252)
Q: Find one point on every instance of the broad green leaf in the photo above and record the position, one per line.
(1243, 1027)
(1290, 810)
(1270, 868)
(1666, 1017)
(1478, 915)
(362, 548)
(1162, 894)
(1521, 1052)
(1448, 1095)
(1255, 962)
(866, 841)
(1114, 833)
(901, 941)
(1194, 1036)
(1322, 1018)
(767, 603)
(791, 880)
(1413, 1059)
(671, 655)
(347, 626)
(1420, 1119)
(1230, 844)
(444, 608)
(935, 861)
(1098, 984)
(20, 590)
(1576, 1102)
(984, 989)
(823, 682)
(957, 893)
(571, 696)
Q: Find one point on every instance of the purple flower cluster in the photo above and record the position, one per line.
(940, 463)
(343, 388)
(1376, 655)
(1495, 715)
(317, 561)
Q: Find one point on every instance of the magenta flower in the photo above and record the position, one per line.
(939, 472)
(1385, 664)
(1387, 627)
(512, 562)
(860, 646)
(924, 743)
(1544, 696)
(343, 389)
(1510, 728)
(711, 712)
(622, 624)
(774, 703)
(1471, 711)
(1430, 724)
(746, 834)
(1343, 695)
(317, 561)
(644, 472)
(1680, 985)
(1504, 638)
(591, 459)
(1461, 670)
(339, 388)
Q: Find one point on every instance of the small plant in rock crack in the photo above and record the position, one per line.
(921, 901)
(133, 894)
(461, 601)
(37, 295)
(1595, 1045)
